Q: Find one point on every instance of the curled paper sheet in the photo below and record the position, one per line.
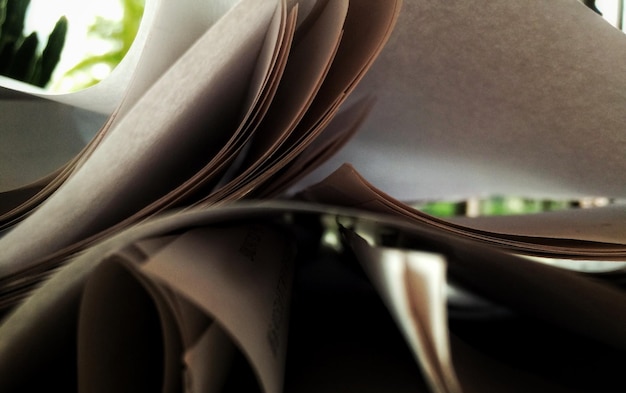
(182, 274)
(505, 97)
(141, 244)
(159, 42)
(176, 293)
(186, 136)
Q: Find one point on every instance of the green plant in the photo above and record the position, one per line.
(19, 54)
(121, 34)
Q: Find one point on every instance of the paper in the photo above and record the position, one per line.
(131, 311)
(570, 234)
(338, 132)
(509, 98)
(366, 29)
(304, 74)
(242, 277)
(412, 285)
(158, 44)
(164, 127)
(162, 145)
(170, 257)
(48, 321)
(602, 224)
(263, 86)
(548, 299)
(34, 146)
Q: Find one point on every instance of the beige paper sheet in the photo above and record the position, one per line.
(304, 75)
(570, 234)
(158, 44)
(242, 277)
(603, 224)
(366, 30)
(34, 146)
(47, 320)
(559, 298)
(163, 131)
(412, 284)
(509, 97)
(46, 323)
(238, 276)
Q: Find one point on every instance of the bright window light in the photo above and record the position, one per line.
(43, 14)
